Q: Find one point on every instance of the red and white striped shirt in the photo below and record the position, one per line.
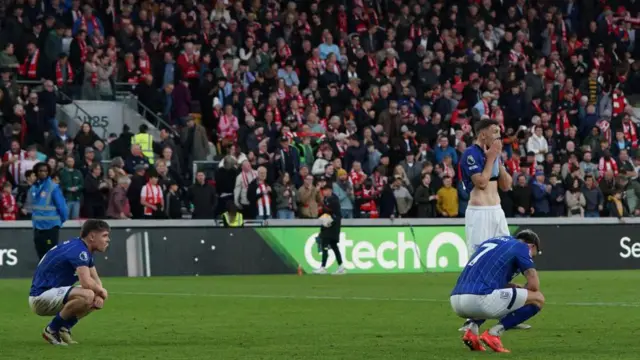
(14, 168)
(152, 194)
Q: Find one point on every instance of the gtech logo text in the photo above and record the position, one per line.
(445, 251)
(8, 257)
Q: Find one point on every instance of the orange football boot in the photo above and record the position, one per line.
(493, 342)
(472, 341)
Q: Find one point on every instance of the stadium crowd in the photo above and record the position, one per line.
(378, 98)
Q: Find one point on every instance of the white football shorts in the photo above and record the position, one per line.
(49, 302)
(492, 306)
(482, 223)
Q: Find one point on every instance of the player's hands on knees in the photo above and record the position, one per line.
(98, 302)
(103, 294)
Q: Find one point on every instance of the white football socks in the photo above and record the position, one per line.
(496, 330)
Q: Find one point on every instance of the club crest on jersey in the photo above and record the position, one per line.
(84, 256)
(43, 194)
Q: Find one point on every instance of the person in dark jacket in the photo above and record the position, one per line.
(181, 99)
(515, 106)
(135, 158)
(173, 203)
(149, 97)
(203, 198)
(506, 202)
(171, 142)
(329, 236)
(425, 198)
(60, 136)
(556, 197)
(540, 192)
(23, 193)
(85, 137)
(616, 205)
(387, 202)
(36, 123)
(521, 195)
(94, 202)
(593, 196)
(226, 183)
(138, 181)
(355, 152)
(166, 176)
(120, 146)
(47, 101)
(287, 158)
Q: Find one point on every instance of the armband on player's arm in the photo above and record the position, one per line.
(533, 282)
(505, 181)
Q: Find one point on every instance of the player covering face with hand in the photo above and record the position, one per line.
(482, 174)
(53, 292)
(484, 291)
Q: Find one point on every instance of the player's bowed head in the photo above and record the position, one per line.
(95, 233)
(532, 239)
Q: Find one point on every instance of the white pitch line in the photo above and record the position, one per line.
(356, 298)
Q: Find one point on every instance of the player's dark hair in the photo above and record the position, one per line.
(529, 237)
(485, 123)
(93, 225)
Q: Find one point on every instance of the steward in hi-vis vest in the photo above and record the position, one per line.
(145, 140)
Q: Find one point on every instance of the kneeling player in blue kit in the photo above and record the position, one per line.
(53, 292)
(484, 291)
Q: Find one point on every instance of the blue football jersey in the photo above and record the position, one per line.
(496, 262)
(58, 266)
(472, 162)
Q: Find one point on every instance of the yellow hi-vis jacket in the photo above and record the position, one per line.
(238, 221)
(146, 145)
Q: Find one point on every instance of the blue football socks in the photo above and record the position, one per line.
(71, 322)
(57, 323)
(519, 316)
(512, 320)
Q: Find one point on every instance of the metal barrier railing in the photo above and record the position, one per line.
(134, 104)
(78, 108)
(78, 112)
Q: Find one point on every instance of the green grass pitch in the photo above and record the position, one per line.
(589, 315)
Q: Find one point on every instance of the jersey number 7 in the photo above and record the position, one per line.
(485, 249)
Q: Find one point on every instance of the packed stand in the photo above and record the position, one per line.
(378, 98)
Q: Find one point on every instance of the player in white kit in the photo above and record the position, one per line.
(482, 172)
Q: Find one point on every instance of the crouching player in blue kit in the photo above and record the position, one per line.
(484, 291)
(53, 292)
